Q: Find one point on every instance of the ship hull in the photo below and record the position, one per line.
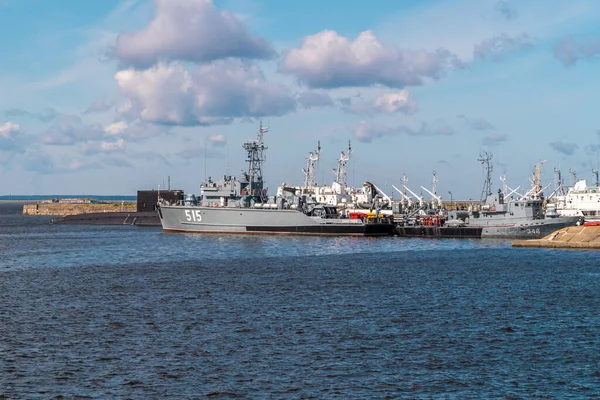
(530, 230)
(139, 218)
(262, 221)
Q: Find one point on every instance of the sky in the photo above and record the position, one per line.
(109, 97)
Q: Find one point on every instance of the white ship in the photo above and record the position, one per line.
(580, 200)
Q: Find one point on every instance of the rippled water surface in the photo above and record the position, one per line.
(131, 312)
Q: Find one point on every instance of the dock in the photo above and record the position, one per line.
(573, 237)
(77, 208)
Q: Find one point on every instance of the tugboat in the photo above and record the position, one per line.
(495, 218)
(242, 205)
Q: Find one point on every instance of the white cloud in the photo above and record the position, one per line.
(313, 99)
(211, 94)
(104, 147)
(43, 163)
(570, 51)
(70, 129)
(12, 138)
(135, 131)
(99, 105)
(493, 140)
(366, 131)
(390, 103)
(457, 25)
(217, 140)
(7, 129)
(189, 30)
(116, 128)
(500, 45)
(46, 116)
(385, 103)
(328, 60)
(477, 123)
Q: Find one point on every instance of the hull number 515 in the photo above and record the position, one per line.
(193, 215)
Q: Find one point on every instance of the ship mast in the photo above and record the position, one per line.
(256, 157)
(573, 176)
(487, 185)
(558, 182)
(311, 167)
(595, 172)
(434, 196)
(538, 178)
(340, 171)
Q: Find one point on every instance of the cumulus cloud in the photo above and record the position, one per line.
(43, 163)
(390, 103)
(478, 124)
(135, 131)
(115, 146)
(366, 131)
(570, 52)
(70, 129)
(313, 99)
(494, 140)
(214, 93)
(497, 46)
(99, 105)
(45, 116)
(185, 30)
(328, 60)
(565, 148)
(12, 138)
(217, 140)
(387, 103)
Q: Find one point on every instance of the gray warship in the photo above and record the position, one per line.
(497, 217)
(242, 205)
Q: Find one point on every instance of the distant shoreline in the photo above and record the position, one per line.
(34, 198)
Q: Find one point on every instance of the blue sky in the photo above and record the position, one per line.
(108, 97)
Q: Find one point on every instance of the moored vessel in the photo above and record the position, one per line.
(242, 205)
(496, 217)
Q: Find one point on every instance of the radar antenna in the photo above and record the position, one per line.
(487, 185)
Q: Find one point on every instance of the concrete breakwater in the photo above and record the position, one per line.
(76, 208)
(573, 237)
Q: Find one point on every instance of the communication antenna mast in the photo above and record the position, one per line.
(573, 176)
(595, 172)
(340, 171)
(487, 185)
(404, 182)
(255, 159)
(311, 167)
(504, 184)
(538, 178)
(433, 187)
(558, 182)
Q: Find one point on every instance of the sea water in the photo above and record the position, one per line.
(132, 312)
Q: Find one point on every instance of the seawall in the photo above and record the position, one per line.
(76, 209)
(573, 237)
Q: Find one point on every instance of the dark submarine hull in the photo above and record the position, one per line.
(139, 218)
